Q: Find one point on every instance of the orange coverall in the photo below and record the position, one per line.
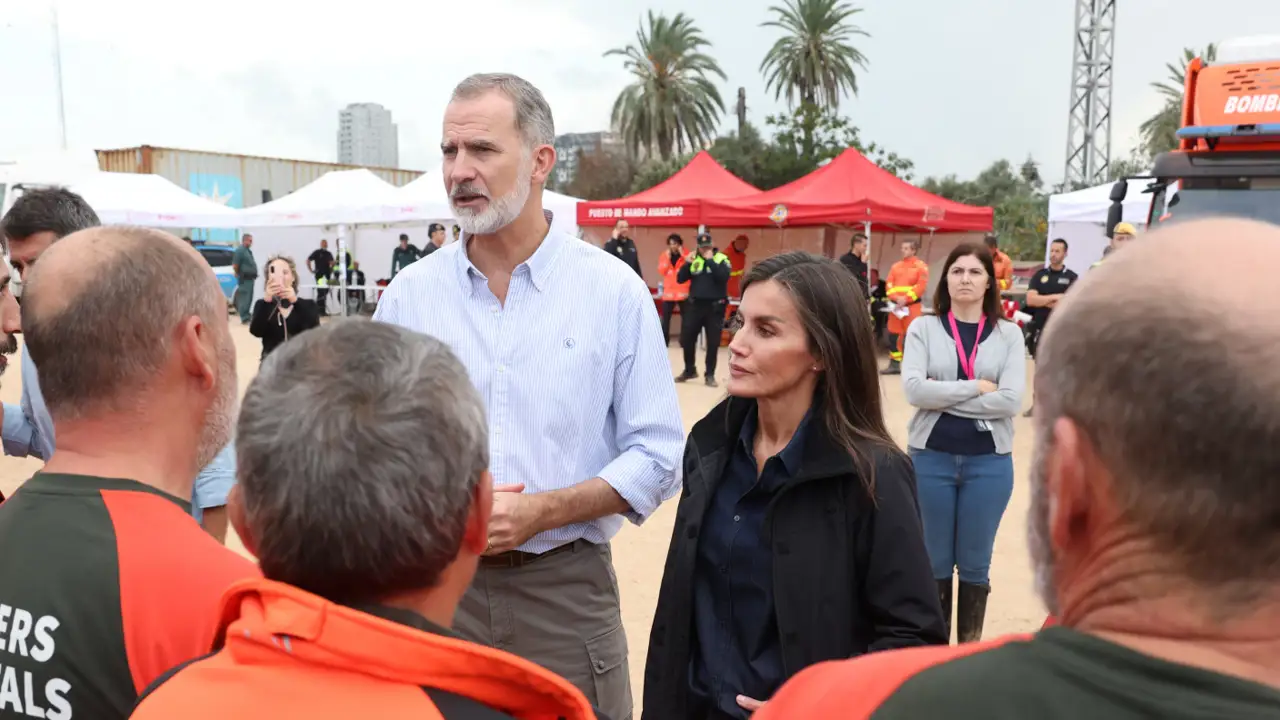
(1004, 270)
(737, 261)
(908, 279)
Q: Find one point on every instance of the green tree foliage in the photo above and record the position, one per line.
(787, 157)
(655, 170)
(1159, 132)
(600, 175)
(1021, 207)
(672, 104)
(814, 61)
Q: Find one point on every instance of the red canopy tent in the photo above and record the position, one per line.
(849, 190)
(676, 201)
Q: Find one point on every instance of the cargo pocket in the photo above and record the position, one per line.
(610, 674)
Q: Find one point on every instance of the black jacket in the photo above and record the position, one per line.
(625, 250)
(268, 324)
(856, 266)
(850, 576)
(708, 279)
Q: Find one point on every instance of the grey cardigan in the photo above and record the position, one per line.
(930, 372)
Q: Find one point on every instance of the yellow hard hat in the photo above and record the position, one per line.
(1124, 228)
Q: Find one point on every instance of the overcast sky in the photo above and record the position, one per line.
(951, 84)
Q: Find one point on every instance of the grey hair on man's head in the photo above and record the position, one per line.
(100, 310)
(359, 448)
(533, 114)
(1179, 401)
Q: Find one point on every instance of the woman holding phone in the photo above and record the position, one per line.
(964, 369)
(280, 314)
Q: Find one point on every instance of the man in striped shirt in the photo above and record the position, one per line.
(563, 343)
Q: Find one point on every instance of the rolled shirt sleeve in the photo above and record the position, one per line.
(214, 482)
(21, 438)
(650, 432)
(28, 429)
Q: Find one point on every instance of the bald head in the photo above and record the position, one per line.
(1168, 395)
(102, 311)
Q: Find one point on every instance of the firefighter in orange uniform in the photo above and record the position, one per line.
(737, 253)
(908, 279)
(1003, 263)
(674, 292)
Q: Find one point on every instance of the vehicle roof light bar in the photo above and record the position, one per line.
(1220, 131)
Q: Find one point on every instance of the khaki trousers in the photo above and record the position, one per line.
(560, 611)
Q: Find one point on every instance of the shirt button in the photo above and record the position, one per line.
(501, 368)
(497, 431)
(737, 518)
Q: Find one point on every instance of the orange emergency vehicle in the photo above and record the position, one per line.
(1228, 157)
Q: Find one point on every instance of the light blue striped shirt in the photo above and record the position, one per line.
(573, 371)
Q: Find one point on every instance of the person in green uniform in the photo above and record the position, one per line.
(246, 270)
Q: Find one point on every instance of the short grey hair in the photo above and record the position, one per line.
(359, 448)
(98, 333)
(533, 114)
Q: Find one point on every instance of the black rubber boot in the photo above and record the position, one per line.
(971, 610)
(944, 598)
(895, 368)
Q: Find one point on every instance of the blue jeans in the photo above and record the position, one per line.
(962, 498)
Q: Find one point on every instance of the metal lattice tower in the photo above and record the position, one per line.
(1089, 123)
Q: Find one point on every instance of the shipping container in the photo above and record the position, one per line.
(234, 180)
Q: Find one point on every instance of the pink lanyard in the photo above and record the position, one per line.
(966, 364)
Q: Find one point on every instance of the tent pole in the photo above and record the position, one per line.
(342, 270)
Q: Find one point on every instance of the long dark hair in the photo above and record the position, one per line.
(832, 309)
(990, 301)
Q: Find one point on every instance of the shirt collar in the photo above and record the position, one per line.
(791, 455)
(404, 617)
(539, 265)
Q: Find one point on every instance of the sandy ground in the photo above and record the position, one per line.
(639, 552)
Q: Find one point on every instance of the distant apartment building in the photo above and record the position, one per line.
(568, 145)
(366, 136)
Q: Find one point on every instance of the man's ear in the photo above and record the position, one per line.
(476, 538)
(198, 351)
(235, 514)
(544, 160)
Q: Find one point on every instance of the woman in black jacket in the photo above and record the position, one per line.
(280, 314)
(797, 538)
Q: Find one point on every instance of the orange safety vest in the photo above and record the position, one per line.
(909, 277)
(672, 289)
(288, 653)
(1004, 270)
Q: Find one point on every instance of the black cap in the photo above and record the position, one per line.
(704, 240)
(434, 227)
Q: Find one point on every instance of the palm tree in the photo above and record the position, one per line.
(672, 105)
(814, 61)
(1160, 131)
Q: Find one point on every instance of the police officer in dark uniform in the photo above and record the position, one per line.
(1047, 287)
(707, 271)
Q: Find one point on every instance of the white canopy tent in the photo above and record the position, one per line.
(347, 205)
(151, 201)
(1080, 218)
(425, 198)
(349, 197)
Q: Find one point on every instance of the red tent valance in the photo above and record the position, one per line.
(676, 201)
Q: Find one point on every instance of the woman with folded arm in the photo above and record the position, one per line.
(964, 370)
